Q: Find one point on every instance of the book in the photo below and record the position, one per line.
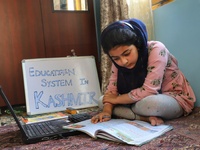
(43, 117)
(121, 130)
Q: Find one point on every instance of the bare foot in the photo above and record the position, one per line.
(155, 121)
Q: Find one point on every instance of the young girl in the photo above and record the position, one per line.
(146, 83)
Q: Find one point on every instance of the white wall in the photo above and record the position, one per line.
(177, 25)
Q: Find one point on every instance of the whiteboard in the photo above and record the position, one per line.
(54, 84)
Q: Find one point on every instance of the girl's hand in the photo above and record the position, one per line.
(110, 98)
(117, 99)
(101, 117)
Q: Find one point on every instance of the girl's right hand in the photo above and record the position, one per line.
(101, 117)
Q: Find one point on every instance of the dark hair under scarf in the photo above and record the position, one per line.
(128, 32)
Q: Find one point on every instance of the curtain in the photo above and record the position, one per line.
(142, 10)
(113, 10)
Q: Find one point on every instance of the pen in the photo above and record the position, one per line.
(97, 117)
(105, 117)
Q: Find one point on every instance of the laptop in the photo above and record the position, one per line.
(42, 131)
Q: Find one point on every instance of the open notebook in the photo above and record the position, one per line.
(42, 131)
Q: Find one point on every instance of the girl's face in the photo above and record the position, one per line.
(125, 56)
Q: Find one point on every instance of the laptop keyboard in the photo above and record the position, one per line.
(43, 128)
(79, 117)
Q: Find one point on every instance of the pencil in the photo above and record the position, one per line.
(106, 117)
